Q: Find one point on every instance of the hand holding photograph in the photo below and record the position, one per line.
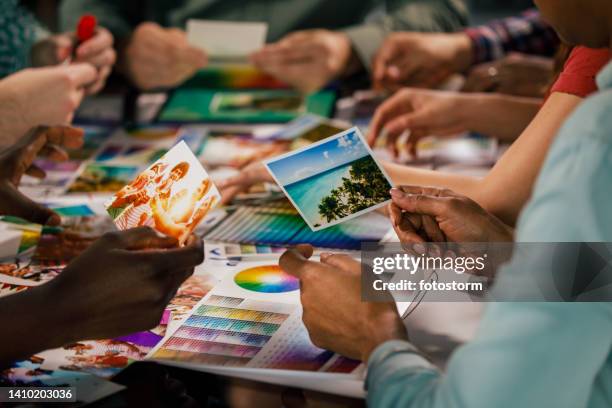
(173, 195)
(332, 181)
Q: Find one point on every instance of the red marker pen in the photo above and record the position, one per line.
(85, 29)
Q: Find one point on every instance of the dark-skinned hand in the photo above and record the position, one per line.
(18, 160)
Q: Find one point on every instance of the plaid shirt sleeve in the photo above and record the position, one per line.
(526, 33)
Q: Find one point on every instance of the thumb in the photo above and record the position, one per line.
(21, 206)
(340, 261)
(63, 46)
(21, 155)
(81, 74)
(142, 238)
(420, 203)
(294, 260)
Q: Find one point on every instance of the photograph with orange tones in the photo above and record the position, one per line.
(172, 196)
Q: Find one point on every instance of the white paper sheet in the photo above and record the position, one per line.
(226, 40)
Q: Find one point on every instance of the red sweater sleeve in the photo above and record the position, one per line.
(580, 70)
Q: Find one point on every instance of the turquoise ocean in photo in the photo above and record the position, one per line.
(308, 193)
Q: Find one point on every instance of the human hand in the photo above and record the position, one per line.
(420, 59)
(97, 51)
(424, 214)
(158, 57)
(423, 113)
(19, 160)
(41, 96)
(250, 175)
(516, 74)
(351, 327)
(129, 290)
(307, 60)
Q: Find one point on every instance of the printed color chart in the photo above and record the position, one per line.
(220, 333)
(236, 332)
(282, 226)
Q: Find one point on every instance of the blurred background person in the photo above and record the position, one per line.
(44, 76)
(510, 55)
(311, 41)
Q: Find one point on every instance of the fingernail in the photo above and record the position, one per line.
(419, 249)
(397, 193)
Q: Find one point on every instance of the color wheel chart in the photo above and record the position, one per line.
(282, 225)
(266, 279)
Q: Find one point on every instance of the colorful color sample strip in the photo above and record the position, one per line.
(220, 335)
(281, 225)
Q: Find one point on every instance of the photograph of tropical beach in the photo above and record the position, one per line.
(332, 181)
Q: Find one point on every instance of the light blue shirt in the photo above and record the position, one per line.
(530, 354)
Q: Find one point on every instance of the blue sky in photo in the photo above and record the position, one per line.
(340, 150)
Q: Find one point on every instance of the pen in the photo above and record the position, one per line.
(85, 29)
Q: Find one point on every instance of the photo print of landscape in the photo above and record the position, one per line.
(332, 181)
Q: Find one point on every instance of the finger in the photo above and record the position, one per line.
(21, 206)
(378, 68)
(294, 260)
(228, 194)
(100, 42)
(483, 78)
(292, 49)
(54, 153)
(340, 261)
(178, 259)
(430, 191)
(413, 140)
(392, 141)
(101, 81)
(432, 229)
(24, 153)
(418, 120)
(81, 74)
(420, 203)
(104, 59)
(36, 172)
(389, 109)
(64, 136)
(427, 78)
(185, 54)
(385, 55)
(407, 231)
(402, 71)
(143, 238)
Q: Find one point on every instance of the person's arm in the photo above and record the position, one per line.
(519, 358)
(501, 116)
(30, 333)
(527, 34)
(80, 304)
(406, 15)
(515, 172)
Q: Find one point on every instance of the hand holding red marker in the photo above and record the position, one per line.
(94, 45)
